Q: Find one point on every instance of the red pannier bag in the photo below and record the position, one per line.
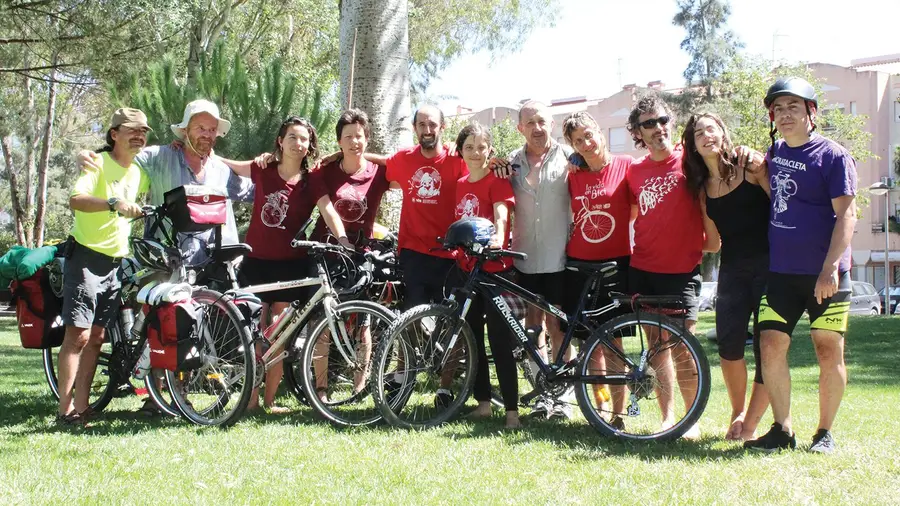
(195, 208)
(172, 335)
(38, 312)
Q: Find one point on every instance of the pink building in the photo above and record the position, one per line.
(861, 89)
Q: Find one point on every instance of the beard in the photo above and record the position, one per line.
(201, 145)
(428, 142)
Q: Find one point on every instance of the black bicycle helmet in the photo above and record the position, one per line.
(468, 232)
(791, 86)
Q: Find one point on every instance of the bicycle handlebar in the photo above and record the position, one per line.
(319, 246)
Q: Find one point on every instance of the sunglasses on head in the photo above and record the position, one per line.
(651, 123)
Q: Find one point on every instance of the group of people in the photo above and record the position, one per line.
(782, 253)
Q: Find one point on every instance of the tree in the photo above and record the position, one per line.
(709, 44)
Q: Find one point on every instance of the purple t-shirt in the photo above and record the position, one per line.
(804, 180)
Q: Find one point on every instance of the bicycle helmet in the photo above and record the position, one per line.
(791, 86)
(468, 232)
(794, 87)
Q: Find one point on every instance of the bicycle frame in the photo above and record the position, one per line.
(295, 318)
(491, 287)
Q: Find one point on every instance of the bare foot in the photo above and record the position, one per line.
(512, 421)
(736, 429)
(482, 411)
(748, 431)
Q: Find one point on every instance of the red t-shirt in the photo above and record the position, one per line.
(601, 206)
(356, 198)
(429, 190)
(668, 231)
(279, 210)
(477, 200)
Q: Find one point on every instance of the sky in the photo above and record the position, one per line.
(597, 46)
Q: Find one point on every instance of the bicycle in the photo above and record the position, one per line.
(631, 354)
(118, 368)
(335, 371)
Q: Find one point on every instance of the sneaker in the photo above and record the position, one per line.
(617, 423)
(823, 442)
(774, 440)
(443, 399)
(561, 409)
(542, 407)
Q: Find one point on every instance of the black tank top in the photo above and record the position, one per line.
(742, 218)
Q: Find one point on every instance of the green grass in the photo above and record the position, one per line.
(297, 459)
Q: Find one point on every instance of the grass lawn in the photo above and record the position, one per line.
(125, 459)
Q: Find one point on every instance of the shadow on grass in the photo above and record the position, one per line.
(871, 350)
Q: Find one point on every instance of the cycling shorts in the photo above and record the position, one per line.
(788, 295)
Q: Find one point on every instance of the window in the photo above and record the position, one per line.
(853, 108)
(618, 139)
(857, 290)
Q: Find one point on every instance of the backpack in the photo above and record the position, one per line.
(38, 311)
(173, 336)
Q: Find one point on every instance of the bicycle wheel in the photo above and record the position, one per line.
(102, 390)
(218, 391)
(663, 374)
(426, 349)
(293, 365)
(336, 372)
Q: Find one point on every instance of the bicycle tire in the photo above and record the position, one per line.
(204, 396)
(645, 389)
(345, 404)
(402, 406)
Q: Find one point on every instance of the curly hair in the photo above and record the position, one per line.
(695, 170)
(646, 104)
(311, 154)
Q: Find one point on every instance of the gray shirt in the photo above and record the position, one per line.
(167, 169)
(543, 213)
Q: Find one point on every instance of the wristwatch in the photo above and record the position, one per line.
(112, 203)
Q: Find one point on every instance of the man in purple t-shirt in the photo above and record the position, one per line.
(813, 181)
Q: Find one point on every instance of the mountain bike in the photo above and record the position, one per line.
(636, 356)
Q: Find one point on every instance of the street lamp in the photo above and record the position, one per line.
(881, 188)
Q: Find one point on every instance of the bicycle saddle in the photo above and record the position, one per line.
(606, 269)
(229, 252)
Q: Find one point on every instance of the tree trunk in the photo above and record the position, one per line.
(32, 141)
(381, 67)
(18, 213)
(44, 163)
(380, 78)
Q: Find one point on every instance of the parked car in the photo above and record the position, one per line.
(895, 297)
(708, 291)
(864, 299)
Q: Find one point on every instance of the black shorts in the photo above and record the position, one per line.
(424, 277)
(551, 286)
(788, 295)
(686, 285)
(741, 286)
(256, 271)
(575, 284)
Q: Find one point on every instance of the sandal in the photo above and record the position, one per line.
(149, 408)
(71, 420)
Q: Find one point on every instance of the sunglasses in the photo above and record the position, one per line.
(651, 123)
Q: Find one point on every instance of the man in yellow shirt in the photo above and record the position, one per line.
(102, 201)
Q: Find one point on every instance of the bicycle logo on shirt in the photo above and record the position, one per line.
(274, 211)
(655, 189)
(596, 225)
(784, 188)
(426, 183)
